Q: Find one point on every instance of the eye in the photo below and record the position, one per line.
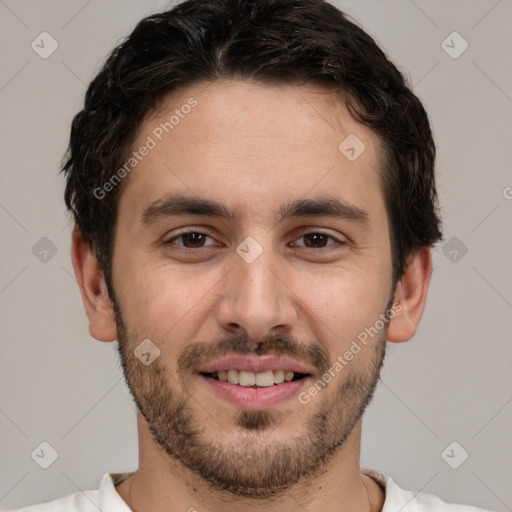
(197, 240)
(317, 240)
(190, 239)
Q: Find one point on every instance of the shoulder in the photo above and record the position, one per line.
(78, 502)
(105, 498)
(412, 501)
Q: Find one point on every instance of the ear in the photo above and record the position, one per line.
(90, 279)
(411, 294)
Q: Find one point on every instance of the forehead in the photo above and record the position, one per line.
(252, 145)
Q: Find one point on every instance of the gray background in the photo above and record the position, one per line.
(451, 383)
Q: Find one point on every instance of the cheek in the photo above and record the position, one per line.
(161, 301)
(342, 304)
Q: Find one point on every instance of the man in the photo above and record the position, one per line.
(252, 184)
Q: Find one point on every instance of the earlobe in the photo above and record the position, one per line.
(90, 279)
(411, 294)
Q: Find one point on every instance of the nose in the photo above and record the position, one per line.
(256, 300)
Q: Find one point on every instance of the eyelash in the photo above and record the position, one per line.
(171, 240)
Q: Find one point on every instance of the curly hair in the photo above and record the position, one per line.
(267, 41)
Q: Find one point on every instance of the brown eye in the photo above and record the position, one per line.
(317, 240)
(190, 240)
(193, 239)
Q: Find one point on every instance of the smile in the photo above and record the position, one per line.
(255, 380)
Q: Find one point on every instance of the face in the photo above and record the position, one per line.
(249, 246)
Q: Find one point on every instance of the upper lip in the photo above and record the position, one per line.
(254, 364)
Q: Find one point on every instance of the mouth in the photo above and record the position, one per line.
(255, 380)
(255, 390)
(251, 382)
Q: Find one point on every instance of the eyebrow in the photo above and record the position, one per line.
(181, 205)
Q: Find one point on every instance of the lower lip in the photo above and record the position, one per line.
(252, 399)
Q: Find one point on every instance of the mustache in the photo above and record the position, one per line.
(278, 345)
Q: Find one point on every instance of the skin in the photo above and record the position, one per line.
(251, 147)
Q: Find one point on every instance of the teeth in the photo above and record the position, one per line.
(265, 379)
(246, 378)
(261, 379)
(233, 376)
(279, 376)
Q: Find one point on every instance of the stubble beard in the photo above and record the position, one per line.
(258, 466)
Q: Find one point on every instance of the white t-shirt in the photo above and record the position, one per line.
(108, 500)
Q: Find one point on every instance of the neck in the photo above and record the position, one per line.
(162, 484)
